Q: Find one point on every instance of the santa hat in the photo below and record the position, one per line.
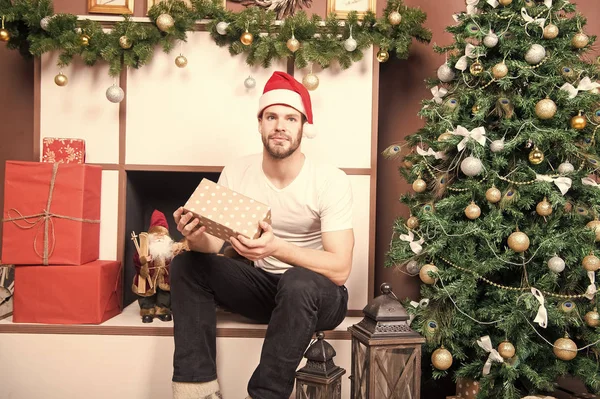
(158, 223)
(283, 89)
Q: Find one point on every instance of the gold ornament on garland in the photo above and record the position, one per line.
(518, 242)
(594, 225)
(395, 18)
(475, 109)
(445, 136)
(580, 40)
(499, 70)
(424, 273)
(61, 79)
(293, 44)
(84, 39)
(565, 349)
(591, 263)
(476, 68)
(472, 211)
(505, 2)
(4, 35)
(493, 195)
(124, 42)
(383, 55)
(544, 208)
(247, 38)
(441, 359)
(506, 349)
(578, 122)
(181, 61)
(545, 109)
(412, 222)
(164, 22)
(551, 31)
(592, 318)
(419, 185)
(310, 81)
(536, 156)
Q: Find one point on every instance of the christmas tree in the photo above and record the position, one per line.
(504, 228)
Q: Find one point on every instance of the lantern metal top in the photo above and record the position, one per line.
(319, 358)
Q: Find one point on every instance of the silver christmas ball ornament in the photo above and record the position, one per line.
(490, 40)
(350, 44)
(497, 145)
(412, 267)
(222, 28)
(535, 54)
(565, 168)
(445, 73)
(249, 83)
(45, 21)
(556, 264)
(115, 94)
(471, 166)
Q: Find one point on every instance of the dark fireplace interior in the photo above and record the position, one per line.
(147, 191)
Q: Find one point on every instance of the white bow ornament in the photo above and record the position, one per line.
(438, 93)
(563, 183)
(530, 20)
(472, 5)
(586, 84)
(462, 62)
(486, 344)
(586, 181)
(431, 152)
(542, 315)
(415, 246)
(591, 289)
(477, 134)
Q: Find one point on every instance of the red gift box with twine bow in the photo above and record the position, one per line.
(51, 213)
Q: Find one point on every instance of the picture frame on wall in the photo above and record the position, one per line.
(110, 6)
(151, 3)
(342, 8)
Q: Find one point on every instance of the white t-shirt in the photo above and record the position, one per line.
(318, 200)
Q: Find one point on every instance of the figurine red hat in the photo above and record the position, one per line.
(158, 223)
(282, 88)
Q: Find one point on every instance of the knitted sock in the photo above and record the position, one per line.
(196, 390)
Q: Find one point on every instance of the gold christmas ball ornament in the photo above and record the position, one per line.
(85, 40)
(580, 40)
(293, 44)
(475, 109)
(247, 38)
(476, 68)
(545, 109)
(551, 31)
(61, 80)
(419, 185)
(124, 42)
(164, 22)
(445, 136)
(383, 55)
(506, 350)
(181, 61)
(505, 2)
(4, 35)
(591, 263)
(424, 274)
(310, 81)
(412, 222)
(544, 208)
(579, 122)
(518, 242)
(395, 18)
(500, 70)
(536, 156)
(592, 318)
(472, 211)
(565, 349)
(594, 225)
(441, 358)
(493, 195)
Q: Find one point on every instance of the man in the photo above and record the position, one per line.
(301, 262)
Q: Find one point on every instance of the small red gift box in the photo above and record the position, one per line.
(51, 213)
(63, 150)
(85, 294)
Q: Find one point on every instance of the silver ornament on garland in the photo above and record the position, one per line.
(222, 28)
(115, 94)
(535, 54)
(412, 267)
(471, 166)
(445, 73)
(565, 168)
(497, 145)
(250, 83)
(556, 264)
(45, 21)
(490, 40)
(350, 44)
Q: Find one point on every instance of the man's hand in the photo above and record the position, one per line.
(189, 229)
(266, 245)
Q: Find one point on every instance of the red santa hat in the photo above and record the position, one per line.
(283, 89)
(158, 223)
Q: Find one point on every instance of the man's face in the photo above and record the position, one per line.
(281, 130)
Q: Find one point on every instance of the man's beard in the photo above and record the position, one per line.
(278, 152)
(160, 247)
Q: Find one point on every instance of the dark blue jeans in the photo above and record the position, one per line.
(294, 304)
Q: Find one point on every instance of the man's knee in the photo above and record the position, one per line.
(299, 282)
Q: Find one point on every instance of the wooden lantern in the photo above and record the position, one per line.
(386, 353)
(320, 378)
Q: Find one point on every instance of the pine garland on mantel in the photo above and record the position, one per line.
(322, 41)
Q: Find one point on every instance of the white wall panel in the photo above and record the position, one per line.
(198, 115)
(342, 108)
(358, 282)
(109, 214)
(80, 109)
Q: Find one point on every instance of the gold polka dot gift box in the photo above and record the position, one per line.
(226, 213)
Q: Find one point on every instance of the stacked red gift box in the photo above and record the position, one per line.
(51, 233)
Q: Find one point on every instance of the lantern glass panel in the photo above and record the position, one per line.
(360, 369)
(307, 390)
(394, 370)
